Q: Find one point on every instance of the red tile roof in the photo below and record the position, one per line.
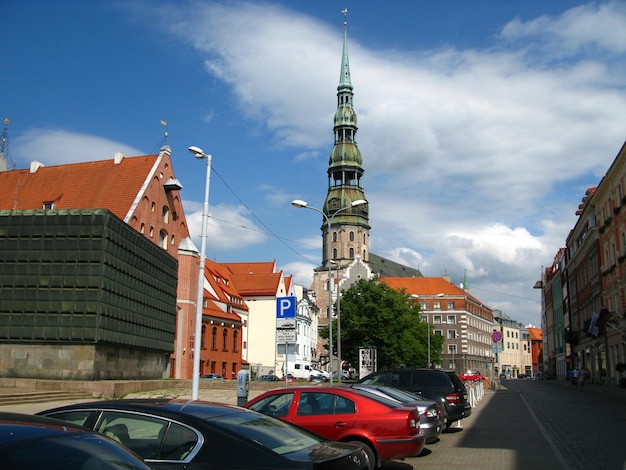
(90, 185)
(426, 286)
(256, 268)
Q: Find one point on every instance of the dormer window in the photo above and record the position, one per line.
(48, 205)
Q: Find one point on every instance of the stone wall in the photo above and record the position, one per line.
(81, 362)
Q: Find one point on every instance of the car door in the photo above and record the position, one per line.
(326, 413)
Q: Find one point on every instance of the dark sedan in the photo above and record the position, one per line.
(193, 435)
(432, 413)
(34, 443)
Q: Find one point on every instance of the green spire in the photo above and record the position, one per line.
(344, 78)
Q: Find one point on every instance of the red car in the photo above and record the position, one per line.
(387, 429)
(471, 375)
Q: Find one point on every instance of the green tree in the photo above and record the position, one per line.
(373, 314)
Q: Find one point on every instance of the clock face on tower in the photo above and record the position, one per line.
(333, 203)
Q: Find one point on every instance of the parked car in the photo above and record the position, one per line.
(290, 378)
(30, 442)
(432, 412)
(268, 378)
(212, 377)
(430, 383)
(386, 428)
(319, 373)
(183, 434)
(317, 379)
(471, 376)
(345, 374)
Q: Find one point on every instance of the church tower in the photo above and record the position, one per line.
(349, 232)
(345, 244)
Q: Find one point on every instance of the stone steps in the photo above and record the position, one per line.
(15, 398)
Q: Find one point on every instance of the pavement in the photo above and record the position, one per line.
(501, 433)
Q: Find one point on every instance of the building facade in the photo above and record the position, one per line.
(465, 322)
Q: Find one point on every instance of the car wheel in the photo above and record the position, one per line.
(371, 455)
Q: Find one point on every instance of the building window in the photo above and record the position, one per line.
(214, 338)
(351, 253)
(225, 339)
(334, 236)
(451, 348)
(451, 334)
(423, 305)
(425, 318)
(165, 214)
(334, 253)
(451, 305)
(351, 236)
(436, 305)
(235, 337)
(438, 332)
(163, 239)
(437, 319)
(203, 338)
(451, 319)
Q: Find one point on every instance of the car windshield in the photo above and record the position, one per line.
(278, 436)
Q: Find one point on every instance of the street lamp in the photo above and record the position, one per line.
(197, 342)
(340, 371)
(305, 205)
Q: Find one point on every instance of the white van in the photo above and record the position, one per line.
(300, 369)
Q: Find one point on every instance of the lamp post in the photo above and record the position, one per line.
(197, 342)
(305, 205)
(339, 360)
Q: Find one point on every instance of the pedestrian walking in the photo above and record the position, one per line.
(575, 374)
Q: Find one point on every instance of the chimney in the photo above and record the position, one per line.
(35, 165)
(118, 157)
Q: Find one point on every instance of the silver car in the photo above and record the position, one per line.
(432, 414)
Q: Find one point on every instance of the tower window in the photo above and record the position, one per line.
(351, 252)
(351, 236)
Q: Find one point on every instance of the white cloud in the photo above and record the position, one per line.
(228, 227)
(60, 147)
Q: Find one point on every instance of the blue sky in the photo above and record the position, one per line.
(481, 123)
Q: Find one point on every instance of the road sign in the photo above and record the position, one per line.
(286, 307)
(496, 348)
(496, 336)
(286, 336)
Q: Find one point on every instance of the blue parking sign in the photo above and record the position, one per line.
(285, 307)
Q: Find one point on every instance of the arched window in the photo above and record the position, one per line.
(235, 336)
(351, 252)
(163, 239)
(225, 339)
(334, 236)
(334, 253)
(203, 338)
(166, 214)
(214, 338)
(351, 236)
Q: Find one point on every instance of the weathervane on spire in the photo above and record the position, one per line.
(164, 123)
(345, 15)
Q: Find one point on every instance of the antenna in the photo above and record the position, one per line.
(5, 160)
(345, 16)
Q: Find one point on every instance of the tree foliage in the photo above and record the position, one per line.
(375, 315)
